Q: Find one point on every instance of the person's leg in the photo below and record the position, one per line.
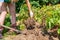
(13, 14)
(2, 15)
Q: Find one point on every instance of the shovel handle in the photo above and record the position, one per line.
(10, 28)
(29, 8)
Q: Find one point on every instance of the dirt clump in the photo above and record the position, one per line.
(30, 23)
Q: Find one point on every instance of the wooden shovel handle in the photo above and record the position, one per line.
(10, 28)
(29, 6)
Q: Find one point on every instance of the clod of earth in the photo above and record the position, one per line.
(30, 23)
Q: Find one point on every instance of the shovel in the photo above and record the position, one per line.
(18, 31)
(29, 8)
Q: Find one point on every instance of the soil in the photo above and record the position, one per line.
(33, 34)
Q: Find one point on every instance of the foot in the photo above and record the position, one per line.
(14, 26)
(12, 31)
(1, 29)
(1, 36)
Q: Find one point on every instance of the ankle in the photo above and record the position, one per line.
(13, 25)
(1, 29)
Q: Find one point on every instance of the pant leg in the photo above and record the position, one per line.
(3, 12)
(12, 12)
